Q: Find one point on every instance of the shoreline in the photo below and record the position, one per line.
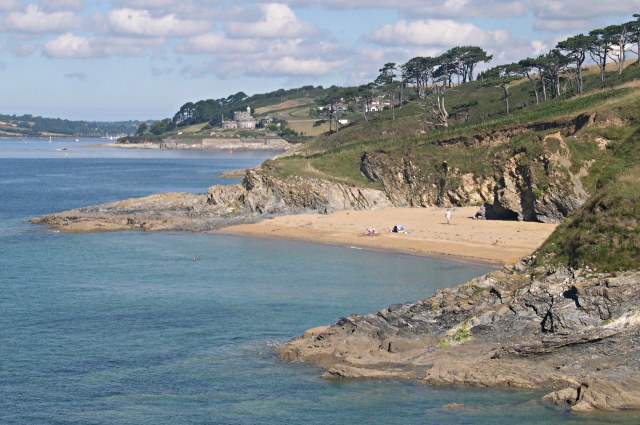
(494, 242)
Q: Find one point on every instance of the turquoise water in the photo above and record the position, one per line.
(124, 328)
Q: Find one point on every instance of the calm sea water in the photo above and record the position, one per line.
(124, 328)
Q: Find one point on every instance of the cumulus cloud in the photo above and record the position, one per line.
(431, 8)
(81, 76)
(35, 21)
(69, 46)
(10, 5)
(560, 25)
(582, 9)
(437, 32)
(142, 23)
(278, 21)
(217, 43)
(61, 5)
(289, 66)
(539, 47)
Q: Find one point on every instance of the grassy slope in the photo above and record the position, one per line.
(605, 233)
(338, 156)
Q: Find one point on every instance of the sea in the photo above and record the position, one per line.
(125, 328)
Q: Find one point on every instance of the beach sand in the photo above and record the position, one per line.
(428, 233)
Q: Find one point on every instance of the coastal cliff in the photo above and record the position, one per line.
(526, 182)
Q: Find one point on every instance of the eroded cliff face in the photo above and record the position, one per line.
(519, 187)
(533, 327)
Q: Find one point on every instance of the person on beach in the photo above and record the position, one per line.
(447, 215)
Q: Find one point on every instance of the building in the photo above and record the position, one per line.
(241, 119)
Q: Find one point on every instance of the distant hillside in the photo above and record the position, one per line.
(28, 125)
(212, 111)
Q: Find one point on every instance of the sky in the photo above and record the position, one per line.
(110, 60)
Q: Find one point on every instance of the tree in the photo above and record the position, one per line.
(161, 126)
(330, 105)
(364, 98)
(530, 68)
(473, 56)
(142, 128)
(620, 36)
(553, 63)
(599, 49)
(635, 29)
(576, 48)
(387, 82)
(434, 101)
(446, 68)
(419, 72)
(465, 59)
(502, 76)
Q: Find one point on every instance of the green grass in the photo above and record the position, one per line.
(605, 232)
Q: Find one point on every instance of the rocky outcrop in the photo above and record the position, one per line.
(518, 187)
(266, 194)
(523, 326)
(259, 195)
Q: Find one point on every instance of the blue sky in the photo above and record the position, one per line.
(142, 59)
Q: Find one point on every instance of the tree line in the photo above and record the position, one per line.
(430, 78)
(30, 125)
(562, 67)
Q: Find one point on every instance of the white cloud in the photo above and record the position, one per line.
(560, 25)
(582, 9)
(290, 66)
(10, 5)
(437, 32)
(539, 47)
(61, 5)
(69, 46)
(278, 21)
(142, 23)
(35, 21)
(217, 43)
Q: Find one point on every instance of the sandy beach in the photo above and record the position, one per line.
(427, 232)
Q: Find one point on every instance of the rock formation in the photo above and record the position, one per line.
(524, 326)
(518, 187)
(258, 196)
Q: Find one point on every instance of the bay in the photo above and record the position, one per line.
(125, 328)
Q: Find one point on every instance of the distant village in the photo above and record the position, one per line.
(244, 120)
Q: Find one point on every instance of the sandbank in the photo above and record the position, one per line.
(428, 233)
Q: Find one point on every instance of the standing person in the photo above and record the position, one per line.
(447, 215)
